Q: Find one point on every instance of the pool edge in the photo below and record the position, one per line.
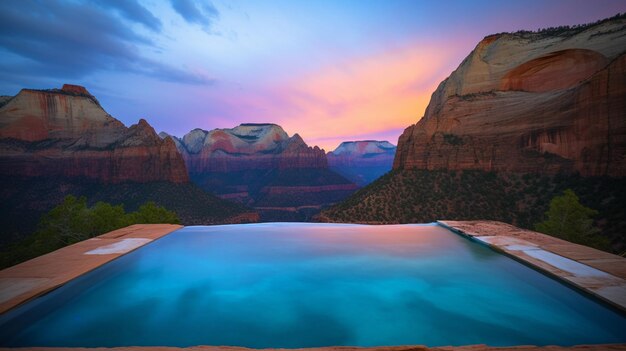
(610, 290)
(47, 272)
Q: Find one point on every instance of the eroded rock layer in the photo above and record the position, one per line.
(529, 102)
(247, 146)
(65, 132)
(261, 166)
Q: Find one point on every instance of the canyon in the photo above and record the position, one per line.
(260, 165)
(247, 146)
(59, 142)
(525, 116)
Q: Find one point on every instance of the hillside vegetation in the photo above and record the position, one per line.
(24, 200)
(73, 221)
(256, 187)
(418, 196)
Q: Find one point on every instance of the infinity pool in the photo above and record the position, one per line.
(303, 285)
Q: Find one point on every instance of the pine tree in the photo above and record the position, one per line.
(568, 219)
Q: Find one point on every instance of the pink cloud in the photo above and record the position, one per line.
(370, 97)
(362, 96)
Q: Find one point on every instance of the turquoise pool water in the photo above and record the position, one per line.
(303, 285)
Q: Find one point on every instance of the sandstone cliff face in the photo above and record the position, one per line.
(363, 161)
(529, 102)
(65, 132)
(261, 166)
(247, 146)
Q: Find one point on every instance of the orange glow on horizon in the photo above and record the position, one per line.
(370, 97)
(364, 96)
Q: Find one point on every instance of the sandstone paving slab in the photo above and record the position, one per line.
(563, 263)
(599, 273)
(578, 252)
(121, 232)
(506, 241)
(615, 293)
(122, 246)
(12, 287)
(537, 263)
(613, 266)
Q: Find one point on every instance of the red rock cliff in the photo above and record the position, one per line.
(245, 147)
(65, 132)
(529, 102)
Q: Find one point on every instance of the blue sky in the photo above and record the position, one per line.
(328, 70)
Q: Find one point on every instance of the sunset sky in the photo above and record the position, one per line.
(329, 70)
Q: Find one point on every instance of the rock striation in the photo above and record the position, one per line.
(362, 152)
(247, 146)
(60, 142)
(540, 102)
(65, 132)
(362, 161)
(260, 165)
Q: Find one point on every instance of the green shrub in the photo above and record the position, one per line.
(73, 221)
(568, 219)
(149, 213)
(418, 196)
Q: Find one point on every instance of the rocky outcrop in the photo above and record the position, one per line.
(60, 142)
(65, 132)
(247, 146)
(261, 166)
(545, 102)
(362, 161)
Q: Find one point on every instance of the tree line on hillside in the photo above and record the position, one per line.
(572, 29)
(524, 200)
(73, 221)
(477, 195)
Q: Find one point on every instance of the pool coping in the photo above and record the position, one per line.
(594, 272)
(33, 278)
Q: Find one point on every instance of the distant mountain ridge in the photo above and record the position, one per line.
(363, 148)
(362, 161)
(262, 146)
(260, 165)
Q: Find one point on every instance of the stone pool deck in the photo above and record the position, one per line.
(35, 277)
(596, 272)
